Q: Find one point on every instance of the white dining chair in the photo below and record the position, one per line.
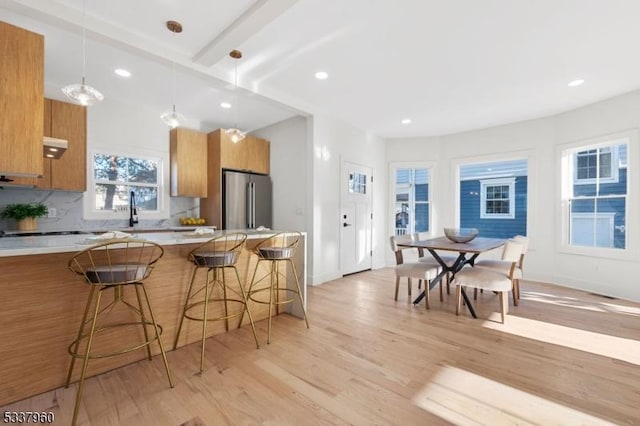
(486, 279)
(419, 270)
(503, 266)
(425, 256)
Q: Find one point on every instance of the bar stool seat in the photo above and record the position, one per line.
(214, 256)
(277, 249)
(114, 265)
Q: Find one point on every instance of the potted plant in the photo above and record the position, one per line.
(25, 215)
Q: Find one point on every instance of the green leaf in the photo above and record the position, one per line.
(23, 211)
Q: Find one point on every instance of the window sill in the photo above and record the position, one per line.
(598, 252)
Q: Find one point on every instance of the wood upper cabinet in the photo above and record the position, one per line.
(69, 122)
(63, 120)
(21, 99)
(188, 150)
(257, 154)
(250, 154)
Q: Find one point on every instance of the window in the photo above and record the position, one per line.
(115, 176)
(497, 199)
(598, 163)
(357, 183)
(595, 195)
(411, 200)
(493, 197)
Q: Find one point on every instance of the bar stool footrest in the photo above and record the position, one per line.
(193, 305)
(121, 352)
(276, 290)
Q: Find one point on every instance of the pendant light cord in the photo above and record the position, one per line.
(173, 83)
(236, 90)
(84, 41)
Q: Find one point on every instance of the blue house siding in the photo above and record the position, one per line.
(493, 228)
(422, 210)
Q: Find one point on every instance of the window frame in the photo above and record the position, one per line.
(565, 177)
(614, 164)
(508, 181)
(431, 170)
(90, 212)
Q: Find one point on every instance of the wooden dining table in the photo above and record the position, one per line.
(467, 254)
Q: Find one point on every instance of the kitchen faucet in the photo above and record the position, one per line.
(133, 213)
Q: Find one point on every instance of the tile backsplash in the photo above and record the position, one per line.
(69, 208)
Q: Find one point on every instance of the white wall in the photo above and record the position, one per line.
(288, 170)
(541, 138)
(334, 142)
(306, 160)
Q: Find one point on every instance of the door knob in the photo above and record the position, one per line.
(346, 224)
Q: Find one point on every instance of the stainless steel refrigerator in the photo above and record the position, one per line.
(246, 200)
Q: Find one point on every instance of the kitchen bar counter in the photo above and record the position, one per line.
(43, 303)
(42, 244)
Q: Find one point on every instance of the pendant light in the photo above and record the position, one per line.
(173, 118)
(83, 93)
(235, 134)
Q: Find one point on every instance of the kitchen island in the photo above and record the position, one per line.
(43, 302)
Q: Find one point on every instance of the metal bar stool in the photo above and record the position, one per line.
(277, 249)
(215, 256)
(114, 265)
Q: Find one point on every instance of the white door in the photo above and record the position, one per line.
(356, 218)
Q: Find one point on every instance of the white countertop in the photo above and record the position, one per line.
(42, 244)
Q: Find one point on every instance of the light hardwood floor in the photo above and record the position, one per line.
(563, 357)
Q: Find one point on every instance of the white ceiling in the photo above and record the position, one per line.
(449, 65)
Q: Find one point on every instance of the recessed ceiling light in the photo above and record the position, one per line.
(122, 72)
(576, 83)
(406, 121)
(225, 105)
(321, 75)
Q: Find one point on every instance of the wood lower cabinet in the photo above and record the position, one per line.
(188, 150)
(63, 120)
(250, 155)
(21, 97)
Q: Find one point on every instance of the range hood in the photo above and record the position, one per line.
(54, 148)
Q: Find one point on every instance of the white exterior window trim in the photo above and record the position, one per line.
(484, 183)
(565, 172)
(614, 178)
(431, 168)
(89, 211)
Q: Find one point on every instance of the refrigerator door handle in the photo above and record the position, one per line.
(252, 205)
(249, 205)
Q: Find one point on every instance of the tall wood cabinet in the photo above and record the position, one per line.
(252, 154)
(21, 98)
(63, 120)
(188, 150)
